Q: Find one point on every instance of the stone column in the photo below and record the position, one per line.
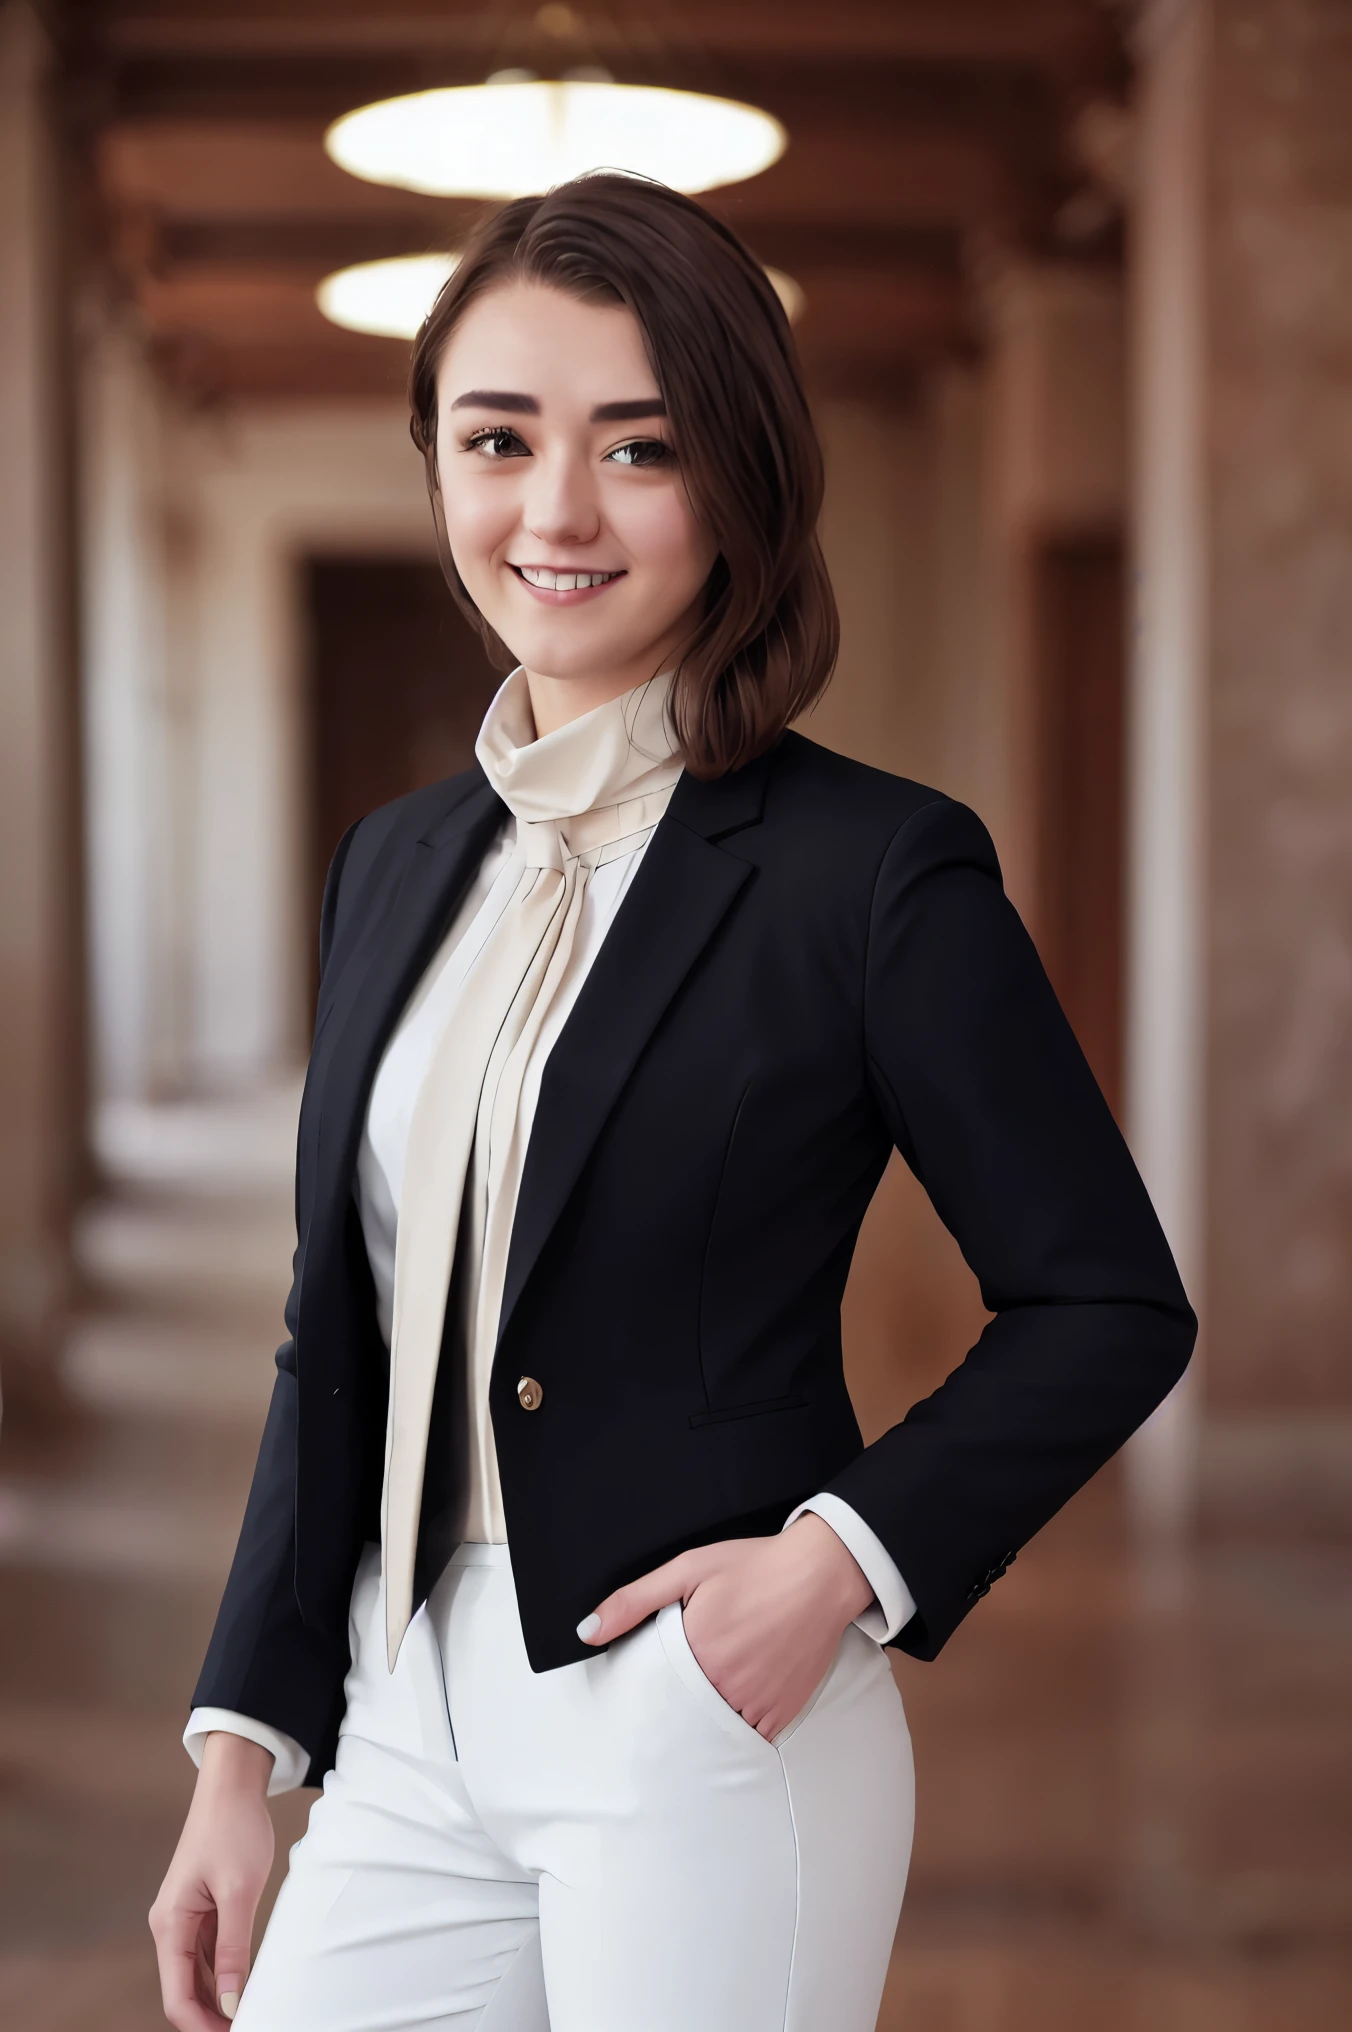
(133, 857)
(41, 1084)
(1166, 764)
(1279, 1258)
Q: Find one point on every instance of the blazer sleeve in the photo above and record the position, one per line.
(988, 1097)
(262, 1660)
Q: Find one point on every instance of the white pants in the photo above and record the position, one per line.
(607, 1847)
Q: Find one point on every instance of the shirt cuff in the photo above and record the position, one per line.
(290, 1760)
(893, 1604)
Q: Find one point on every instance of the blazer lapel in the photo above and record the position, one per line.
(377, 977)
(682, 892)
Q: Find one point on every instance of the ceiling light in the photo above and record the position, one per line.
(516, 135)
(391, 298)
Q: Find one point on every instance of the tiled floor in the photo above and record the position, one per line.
(1135, 1790)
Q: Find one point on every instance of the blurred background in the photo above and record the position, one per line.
(1075, 304)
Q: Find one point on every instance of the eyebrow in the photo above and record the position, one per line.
(495, 398)
(628, 412)
(526, 405)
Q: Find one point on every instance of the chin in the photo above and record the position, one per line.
(565, 653)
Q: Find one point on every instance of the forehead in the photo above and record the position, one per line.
(534, 340)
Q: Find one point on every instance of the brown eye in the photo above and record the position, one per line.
(497, 444)
(641, 451)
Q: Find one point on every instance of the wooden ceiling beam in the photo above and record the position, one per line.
(224, 168)
(1022, 101)
(377, 368)
(1065, 35)
(228, 328)
(867, 177)
(232, 305)
(315, 244)
(208, 372)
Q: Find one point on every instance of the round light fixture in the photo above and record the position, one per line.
(391, 298)
(388, 298)
(513, 136)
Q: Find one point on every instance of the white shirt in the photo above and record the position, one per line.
(379, 1179)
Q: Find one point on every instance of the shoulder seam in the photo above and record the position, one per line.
(939, 797)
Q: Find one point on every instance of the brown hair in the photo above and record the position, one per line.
(724, 359)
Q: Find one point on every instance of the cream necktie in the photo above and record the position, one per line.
(464, 1131)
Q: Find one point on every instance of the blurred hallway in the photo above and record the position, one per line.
(1078, 339)
(115, 1532)
(1134, 1792)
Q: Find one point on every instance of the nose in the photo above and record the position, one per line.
(561, 504)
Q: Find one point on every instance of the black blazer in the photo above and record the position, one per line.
(815, 962)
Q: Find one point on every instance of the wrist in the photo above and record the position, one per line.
(233, 1763)
(841, 1573)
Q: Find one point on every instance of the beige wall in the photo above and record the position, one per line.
(875, 537)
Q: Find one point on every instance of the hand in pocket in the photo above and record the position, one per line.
(763, 1616)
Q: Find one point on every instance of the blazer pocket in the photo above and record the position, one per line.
(760, 1409)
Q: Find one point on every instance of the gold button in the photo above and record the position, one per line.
(529, 1394)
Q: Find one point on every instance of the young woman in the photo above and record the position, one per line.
(564, 1567)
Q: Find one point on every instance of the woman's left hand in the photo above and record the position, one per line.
(763, 1615)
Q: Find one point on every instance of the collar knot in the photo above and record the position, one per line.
(601, 777)
(541, 843)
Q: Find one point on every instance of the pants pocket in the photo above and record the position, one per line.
(676, 1644)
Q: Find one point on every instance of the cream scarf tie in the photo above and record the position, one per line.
(580, 796)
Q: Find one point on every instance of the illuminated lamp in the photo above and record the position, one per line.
(391, 298)
(517, 134)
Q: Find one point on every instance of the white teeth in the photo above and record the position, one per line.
(563, 582)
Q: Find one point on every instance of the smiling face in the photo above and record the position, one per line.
(566, 511)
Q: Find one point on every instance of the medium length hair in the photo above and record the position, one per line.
(724, 359)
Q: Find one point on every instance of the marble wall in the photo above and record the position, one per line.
(1280, 510)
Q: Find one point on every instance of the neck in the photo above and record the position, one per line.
(555, 701)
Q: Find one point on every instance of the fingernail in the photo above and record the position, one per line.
(229, 2003)
(588, 1627)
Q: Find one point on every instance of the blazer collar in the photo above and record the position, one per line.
(478, 800)
(724, 806)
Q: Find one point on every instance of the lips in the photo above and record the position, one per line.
(548, 581)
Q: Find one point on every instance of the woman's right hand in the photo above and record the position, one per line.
(203, 1918)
